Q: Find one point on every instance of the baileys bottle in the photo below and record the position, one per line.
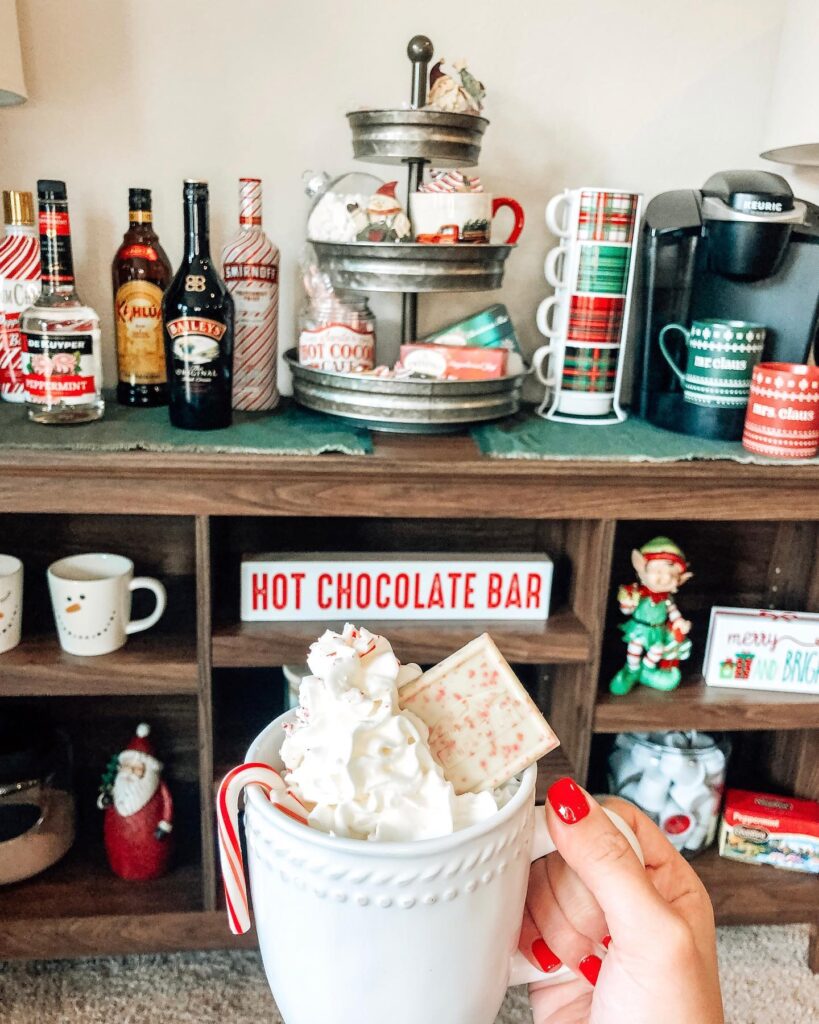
(198, 316)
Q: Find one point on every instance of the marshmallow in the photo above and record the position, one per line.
(622, 768)
(686, 771)
(652, 790)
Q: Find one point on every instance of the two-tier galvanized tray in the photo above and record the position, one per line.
(404, 406)
(397, 136)
(412, 266)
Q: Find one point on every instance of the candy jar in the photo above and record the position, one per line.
(677, 778)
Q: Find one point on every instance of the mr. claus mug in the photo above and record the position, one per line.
(91, 597)
(356, 932)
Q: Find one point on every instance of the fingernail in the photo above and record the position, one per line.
(606, 940)
(590, 968)
(544, 956)
(568, 800)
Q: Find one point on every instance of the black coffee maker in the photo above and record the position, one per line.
(740, 248)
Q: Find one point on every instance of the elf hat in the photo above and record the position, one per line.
(140, 744)
(664, 548)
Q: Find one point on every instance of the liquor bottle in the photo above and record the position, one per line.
(62, 362)
(198, 313)
(19, 287)
(250, 264)
(140, 274)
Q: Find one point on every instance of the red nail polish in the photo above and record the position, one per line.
(568, 800)
(606, 941)
(544, 956)
(590, 968)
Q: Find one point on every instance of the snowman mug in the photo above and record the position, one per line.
(91, 598)
(11, 601)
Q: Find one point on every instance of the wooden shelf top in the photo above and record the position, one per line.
(151, 663)
(406, 475)
(562, 638)
(83, 885)
(693, 705)
(750, 894)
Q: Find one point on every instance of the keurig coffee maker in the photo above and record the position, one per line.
(740, 249)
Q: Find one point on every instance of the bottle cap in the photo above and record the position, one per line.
(139, 199)
(51, 189)
(193, 189)
(18, 208)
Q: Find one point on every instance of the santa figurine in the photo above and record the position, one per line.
(383, 219)
(138, 812)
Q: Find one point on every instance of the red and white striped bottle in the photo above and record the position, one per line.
(19, 288)
(251, 271)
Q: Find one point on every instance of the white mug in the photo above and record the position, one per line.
(91, 598)
(11, 601)
(446, 217)
(359, 932)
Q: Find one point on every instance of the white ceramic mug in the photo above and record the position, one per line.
(359, 932)
(11, 601)
(443, 217)
(91, 598)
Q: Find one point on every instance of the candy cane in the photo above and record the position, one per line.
(230, 848)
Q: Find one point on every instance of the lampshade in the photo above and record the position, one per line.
(12, 84)
(792, 131)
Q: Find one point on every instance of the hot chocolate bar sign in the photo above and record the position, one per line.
(379, 587)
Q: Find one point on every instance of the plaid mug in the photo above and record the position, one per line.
(593, 214)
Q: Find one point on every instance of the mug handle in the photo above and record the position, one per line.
(552, 223)
(550, 266)
(666, 354)
(161, 595)
(521, 972)
(537, 364)
(547, 329)
(517, 210)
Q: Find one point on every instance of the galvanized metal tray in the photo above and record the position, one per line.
(395, 136)
(412, 266)
(404, 406)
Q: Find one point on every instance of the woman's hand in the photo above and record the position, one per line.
(657, 922)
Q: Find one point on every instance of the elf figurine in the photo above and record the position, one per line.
(656, 633)
(138, 812)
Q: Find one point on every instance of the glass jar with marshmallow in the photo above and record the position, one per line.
(677, 778)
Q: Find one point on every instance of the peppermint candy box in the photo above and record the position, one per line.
(762, 828)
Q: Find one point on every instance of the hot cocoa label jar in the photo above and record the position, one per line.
(338, 337)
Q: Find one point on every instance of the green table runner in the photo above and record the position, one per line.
(289, 430)
(527, 436)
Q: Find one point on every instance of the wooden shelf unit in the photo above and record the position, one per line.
(750, 531)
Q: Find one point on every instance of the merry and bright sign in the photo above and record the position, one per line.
(763, 650)
(378, 587)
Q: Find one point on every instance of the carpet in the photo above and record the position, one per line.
(764, 978)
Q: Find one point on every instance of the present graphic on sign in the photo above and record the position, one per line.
(743, 665)
(726, 669)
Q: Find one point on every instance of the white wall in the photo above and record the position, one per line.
(642, 94)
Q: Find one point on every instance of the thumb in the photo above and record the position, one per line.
(602, 857)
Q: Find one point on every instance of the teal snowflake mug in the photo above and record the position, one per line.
(721, 355)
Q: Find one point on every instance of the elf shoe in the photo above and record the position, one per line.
(660, 678)
(624, 681)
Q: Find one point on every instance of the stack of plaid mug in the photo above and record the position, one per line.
(592, 272)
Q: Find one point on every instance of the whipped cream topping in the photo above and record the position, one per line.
(360, 764)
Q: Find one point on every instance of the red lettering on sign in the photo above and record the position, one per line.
(401, 596)
(381, 600)
(453, 578)
(363, 587)
(344, 590)
(493, 592)
(533, 585)
(324, 581)
(513, 597)
(259, 591)
(297, 580)
(469, 590)
(436, 594)
(279, 590)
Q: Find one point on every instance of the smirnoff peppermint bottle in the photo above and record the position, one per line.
(19, 288)
(251, 271)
